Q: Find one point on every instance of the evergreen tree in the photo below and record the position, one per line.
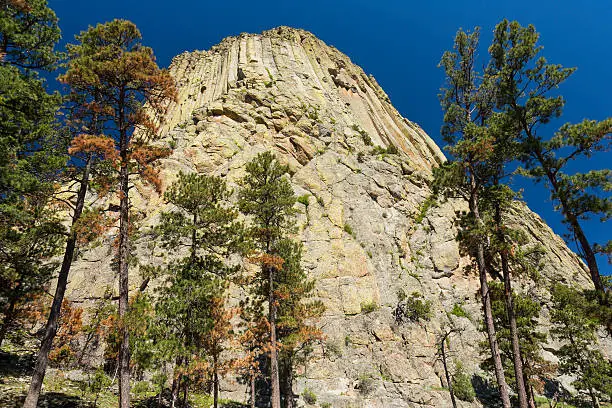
(535, 368)
(191, 321)
(296, 312)
(30, 155)
(92, 156)
(267, 197)
(468, 102)
(525, 84)
(116, 75)
(574, 325)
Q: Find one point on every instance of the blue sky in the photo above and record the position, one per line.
(399, 42)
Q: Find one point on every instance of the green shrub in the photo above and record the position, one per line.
(360, 157)
(303, 199)
(412, 308)
(366, 384)
(309, 397)
(141, 387)
(459, 311)
(462, 384)
(368, 307)
(326, 405)
(424, 207)
(381, 150)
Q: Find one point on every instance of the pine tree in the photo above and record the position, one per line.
(296, 312)
(30, 155)
(267, 197)
(526, 85)
(191, 320)
(117, 75)
(95, 155)
(535, 368)
(468, 102)
(574, 325)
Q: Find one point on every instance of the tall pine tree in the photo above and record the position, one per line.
(468, 102)
(191, 320)
(526, 85)
(118, 75)
(31, 155)
(267, 197)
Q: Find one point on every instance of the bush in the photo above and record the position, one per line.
(368, 307)
(326, 405)
(459, 311)
(309, 397)
(366, 384)
(412, 309)
(424, 207)
(462, 384)
(141, 387)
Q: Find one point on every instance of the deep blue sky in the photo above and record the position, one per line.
(399, 42)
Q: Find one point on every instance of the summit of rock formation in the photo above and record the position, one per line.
(365, 172)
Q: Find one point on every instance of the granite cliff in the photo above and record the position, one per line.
(365, 173)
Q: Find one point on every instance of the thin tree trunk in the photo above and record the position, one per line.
(52, 323)
(274, 377)
(176, 382)
(185, 393)
(587, 250)
(124, 351)
(517, 358)
(486, 303)
(9, 315)
(252, 390)
(446, 373)
(289, 403)
(215, 383)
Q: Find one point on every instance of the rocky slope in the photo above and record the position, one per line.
(364, 233)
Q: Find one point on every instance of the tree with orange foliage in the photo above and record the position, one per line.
(267, 197)
(296, 313)
(220, 333)
(112, 74)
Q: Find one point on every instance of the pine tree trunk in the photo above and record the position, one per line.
(587, 250)
(252, 390)
(9, 315)
(51, 328)
(446, 373)
(215, 383)
(517, 358)
(274, 377)
(288, 380)
(124, 351)
(488, 312)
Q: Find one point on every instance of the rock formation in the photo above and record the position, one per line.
(366, 172)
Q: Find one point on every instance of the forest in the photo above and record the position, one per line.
(69, 161)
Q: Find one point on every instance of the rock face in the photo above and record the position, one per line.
(365, 232)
